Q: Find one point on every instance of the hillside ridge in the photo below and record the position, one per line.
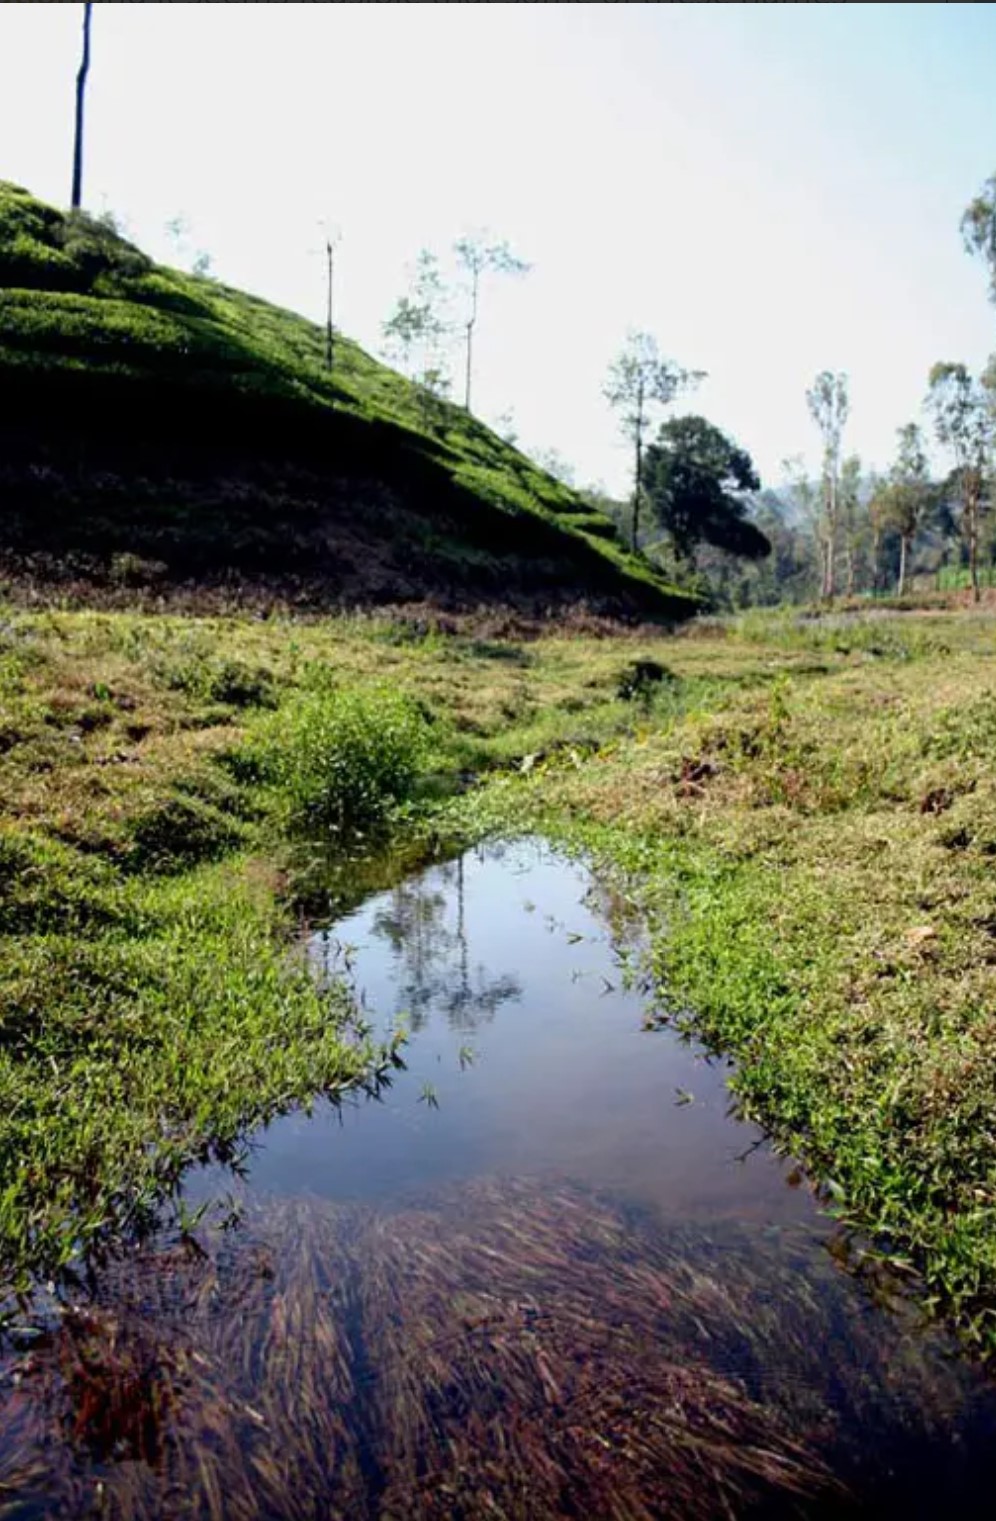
(164, 429)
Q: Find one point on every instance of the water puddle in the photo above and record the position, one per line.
(546, 1273)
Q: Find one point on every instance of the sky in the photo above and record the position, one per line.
(771, 190)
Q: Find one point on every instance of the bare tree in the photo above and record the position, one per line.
(828, 406)
(640, 381)
(81, 75)
(478, 256)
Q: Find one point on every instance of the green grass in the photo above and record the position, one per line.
(172, 419)
(815, 856)
(808, 820)
(145, 1024)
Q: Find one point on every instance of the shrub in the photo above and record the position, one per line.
(340, 758)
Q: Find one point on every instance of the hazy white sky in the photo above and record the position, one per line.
(770, 189)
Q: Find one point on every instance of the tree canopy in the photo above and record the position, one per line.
(694, 476)
(978, 228)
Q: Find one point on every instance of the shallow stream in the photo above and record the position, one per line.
(546, 1273)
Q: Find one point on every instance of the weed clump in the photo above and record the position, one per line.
(340, 759)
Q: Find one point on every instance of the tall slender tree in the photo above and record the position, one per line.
(964, 424)
(827, 400)
(911, 475)
(639, 382)
(477, 256)
(903, 498)
(417, 331)
(417, 327)
(81, 77)
(978, 228)
(852, 519)
(332, 240)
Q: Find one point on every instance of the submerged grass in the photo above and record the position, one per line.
(502, 1348)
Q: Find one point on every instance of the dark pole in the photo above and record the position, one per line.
(84, 69)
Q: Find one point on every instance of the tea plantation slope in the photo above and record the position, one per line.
(163, 428)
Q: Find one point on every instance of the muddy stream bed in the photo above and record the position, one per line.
(545, 1273)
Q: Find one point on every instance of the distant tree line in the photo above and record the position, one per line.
(696, 505)
(698, 509)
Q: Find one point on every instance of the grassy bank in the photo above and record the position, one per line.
(806, 809)
(816, 857)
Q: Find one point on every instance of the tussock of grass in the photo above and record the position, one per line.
(338, 760)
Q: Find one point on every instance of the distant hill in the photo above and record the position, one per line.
(162, 428)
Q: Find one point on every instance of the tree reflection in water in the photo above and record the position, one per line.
(434, 973)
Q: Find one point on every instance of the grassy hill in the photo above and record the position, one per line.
(161, 429)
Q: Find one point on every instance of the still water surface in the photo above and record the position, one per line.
(546, 1273)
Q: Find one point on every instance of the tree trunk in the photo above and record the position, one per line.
(850, 569)
(903, 542)
(638, 484)
(475, 279)
(973, 544)
(470, 344)
(826, 579)
(84, 69)
(329, 340)
(832, 539)
(636, 491)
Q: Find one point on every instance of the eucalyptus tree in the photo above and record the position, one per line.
(913, 493)
(978, 228)
(477, 256)
(640, 382)
(902, 499)
(962, 413)
(828, 404)
(417, 327)
(853, 520)
(332, 239)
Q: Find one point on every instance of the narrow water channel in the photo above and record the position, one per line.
(546, 1273)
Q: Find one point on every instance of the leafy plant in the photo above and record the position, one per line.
(341, 758)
